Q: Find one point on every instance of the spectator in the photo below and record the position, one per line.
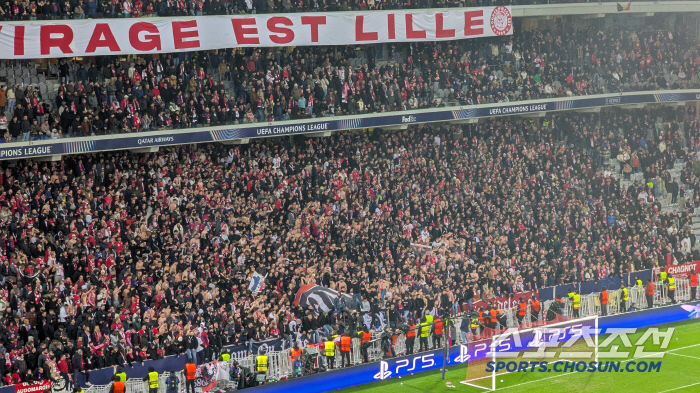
(25, 127)
(269, 85)
(119, 255)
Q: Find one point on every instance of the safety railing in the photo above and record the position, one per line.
(637, 297)
(280, 364)
(591, 303)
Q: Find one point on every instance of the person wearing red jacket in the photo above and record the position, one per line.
(62, 365)
(204, 353)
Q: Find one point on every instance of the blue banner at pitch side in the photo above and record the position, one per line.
(400, 366)
(392, 368)
(587, 287)
(216, 134)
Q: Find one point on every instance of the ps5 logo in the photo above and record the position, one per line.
(384, 372)
(463, 354)
(426, 361)
(538, 341)
(407, 365)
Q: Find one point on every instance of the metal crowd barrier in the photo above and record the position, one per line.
(637, 297)
(683, 289)
(280, 364)
(590, 303)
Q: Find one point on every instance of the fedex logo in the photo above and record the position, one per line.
(408, 119)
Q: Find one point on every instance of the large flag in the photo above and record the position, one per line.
(88, 37)
(256, 283)
(621, 7)
(321, 298)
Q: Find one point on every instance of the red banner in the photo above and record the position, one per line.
(683, 270)
(70, 38)
(504, 302)
(33, 388)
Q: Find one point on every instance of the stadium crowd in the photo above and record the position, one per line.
(94, 9)
(185, 90)
(114, 258)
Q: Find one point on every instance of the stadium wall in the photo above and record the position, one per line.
(324, 126)
(590, 286)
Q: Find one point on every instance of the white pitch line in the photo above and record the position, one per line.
(574, 372)
(680, 387)
(685, 356)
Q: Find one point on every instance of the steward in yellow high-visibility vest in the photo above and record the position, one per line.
(225, 357)
(152, 379)
(261, 363)
(424, 329)
(625, 298)
(424, 333)
(672, 288)
(639, 282)
(121, 374)
(474, 324)
(329, 347)
(577, 304)
(662, 276)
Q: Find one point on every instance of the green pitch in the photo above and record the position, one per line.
(680, 372)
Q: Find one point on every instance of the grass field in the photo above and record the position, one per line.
(680, 372)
